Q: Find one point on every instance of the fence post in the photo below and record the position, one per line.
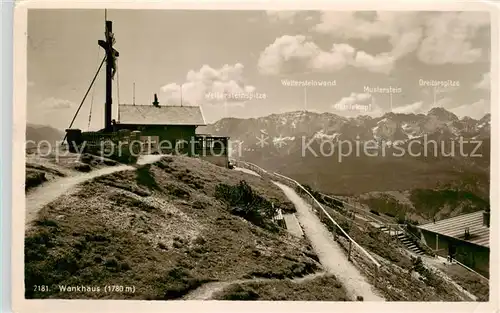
(350, 249)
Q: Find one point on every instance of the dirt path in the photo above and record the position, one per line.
(206, 291)
(149, 158)
(44, 194)
(329, 252)
(246, 171)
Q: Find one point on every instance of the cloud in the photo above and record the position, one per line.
(485, 82)
(445, 102)
(441, 90)
(56, 104)
(436, 38)
(410, 108)
(381, 63)
(406, 43)
(209, 85)
(279, 16)
(366, 25)
(294, 53)
(354, 102)
(55, 112)
(475, 110)
(290, 17)
(449, 38)
(337, 58)
(365, 104)
(357, 104)
(286, 49)
(402, 29)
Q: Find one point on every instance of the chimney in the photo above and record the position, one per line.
(486, 218)
(155, 102)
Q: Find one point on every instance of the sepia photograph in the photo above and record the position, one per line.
(259, 155)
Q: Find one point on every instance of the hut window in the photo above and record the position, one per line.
(209, 142)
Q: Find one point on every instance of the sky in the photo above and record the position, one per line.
(255, 63)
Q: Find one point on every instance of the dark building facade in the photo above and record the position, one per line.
(466, 237)
(172, 130)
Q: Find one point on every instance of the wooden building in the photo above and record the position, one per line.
(171, 129)
(467, 237)
(154, 128)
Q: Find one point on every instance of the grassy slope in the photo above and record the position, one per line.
(398, 279)
(40, 169)
(468, 280)
(422, 205)
(310, 290)
(158, 229)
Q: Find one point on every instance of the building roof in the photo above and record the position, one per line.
(211, 136)
(455, 227)
(162, 115)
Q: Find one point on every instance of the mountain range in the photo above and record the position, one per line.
(37, 133)
(404, 151)
(288, 127)
(313, 148)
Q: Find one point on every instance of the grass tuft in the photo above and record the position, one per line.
(245, 203)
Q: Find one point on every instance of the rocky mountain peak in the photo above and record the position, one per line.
(442, 114)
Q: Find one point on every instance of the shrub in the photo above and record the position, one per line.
(145, 178)
(199, 205)
(345, 225)
(86, 158)
(178, 282)
(178, 192)
(244, 202)
(82, 167)
(237, 292)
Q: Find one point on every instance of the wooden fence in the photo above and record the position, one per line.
(317, 207)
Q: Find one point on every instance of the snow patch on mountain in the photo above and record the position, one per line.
(323, 136)
(391, 128)
(386, 129)
(281, 141)
(375, 132)
(484, 124)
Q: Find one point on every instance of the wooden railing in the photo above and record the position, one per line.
(317, 207)
(390, 226)
(368, 214)
(323, 214)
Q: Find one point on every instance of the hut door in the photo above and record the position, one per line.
(150, 144)
(451, 251)
(181, 146)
